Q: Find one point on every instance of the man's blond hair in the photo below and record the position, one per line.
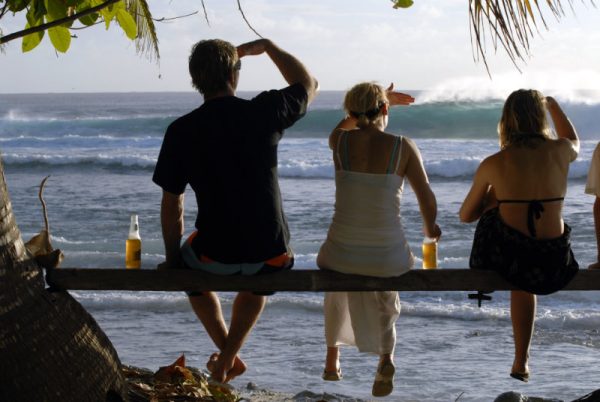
(211, 64)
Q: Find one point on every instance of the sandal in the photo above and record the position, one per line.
(384, 380)
(520, 376)
(332, 375)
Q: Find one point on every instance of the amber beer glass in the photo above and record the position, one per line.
(429, 253)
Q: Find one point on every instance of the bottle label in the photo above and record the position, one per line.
(133, 253)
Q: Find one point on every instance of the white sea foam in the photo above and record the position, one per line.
(102, 159)
(148, 301)
(481, 89)
(62, 240)
(22, 116)
(306, 170)
(17, 115)
(451, 168)
(455, 167)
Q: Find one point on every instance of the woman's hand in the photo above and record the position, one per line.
(436, 233)
(398, 98)
(550, 102)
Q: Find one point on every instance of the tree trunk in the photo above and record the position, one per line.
(51, 349)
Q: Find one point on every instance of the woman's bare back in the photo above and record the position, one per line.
(368, 150)
(527, 173)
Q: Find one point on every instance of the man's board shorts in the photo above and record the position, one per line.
(279, 263)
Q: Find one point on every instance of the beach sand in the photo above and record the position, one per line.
(264, 395)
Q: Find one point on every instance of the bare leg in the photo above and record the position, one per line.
(332, 361)
(522, 313)
(596, 265)
(247, 308)
(208, 310)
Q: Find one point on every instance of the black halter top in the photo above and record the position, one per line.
(534, 210)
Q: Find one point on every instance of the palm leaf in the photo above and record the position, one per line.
(510, 24)
(147, 40)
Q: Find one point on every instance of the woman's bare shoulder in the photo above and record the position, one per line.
(495, 158)
(334, 137)
(408, 145)
(565, 147)
(563, 143)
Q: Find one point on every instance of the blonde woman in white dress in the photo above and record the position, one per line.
(366, 235)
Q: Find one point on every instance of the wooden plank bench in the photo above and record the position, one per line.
(296, 280)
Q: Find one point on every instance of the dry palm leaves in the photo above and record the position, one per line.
(175, 383)
(39, 246)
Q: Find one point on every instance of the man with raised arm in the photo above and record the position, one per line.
(226, 150)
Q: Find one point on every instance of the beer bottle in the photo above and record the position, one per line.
(133, 245)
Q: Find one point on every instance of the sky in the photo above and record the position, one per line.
(342, 42)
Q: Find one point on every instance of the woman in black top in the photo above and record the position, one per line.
(517, 194)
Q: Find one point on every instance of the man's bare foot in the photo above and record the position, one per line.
(219, 374)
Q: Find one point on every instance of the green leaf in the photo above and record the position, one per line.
(60, 38)
(32, 40)
(56, 10)
(89, 19)
(127, 23)
(37, 9)
(110, 12)
(31, 18)
(17, 5)
(402, 3)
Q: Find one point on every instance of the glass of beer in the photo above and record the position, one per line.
(429, 253)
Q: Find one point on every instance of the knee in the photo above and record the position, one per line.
(250, 296)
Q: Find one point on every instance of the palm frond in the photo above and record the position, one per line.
(147, 40)
(510, 24)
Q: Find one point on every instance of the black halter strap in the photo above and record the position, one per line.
(534, 210)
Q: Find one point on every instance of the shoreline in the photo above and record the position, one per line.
(179, 381)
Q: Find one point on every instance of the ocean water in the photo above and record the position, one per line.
(100, 150)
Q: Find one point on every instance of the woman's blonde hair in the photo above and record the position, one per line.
(364, 102)
(523, 118)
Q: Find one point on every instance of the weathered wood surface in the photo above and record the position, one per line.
(294, 280)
